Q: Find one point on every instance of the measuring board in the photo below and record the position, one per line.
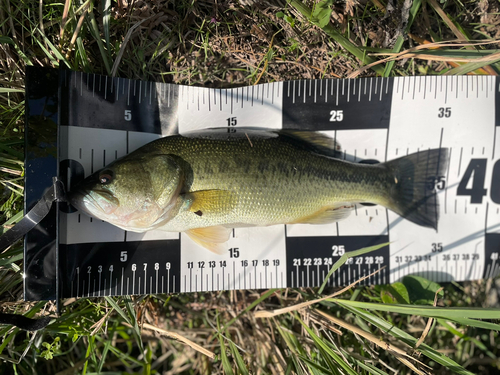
(100, 119)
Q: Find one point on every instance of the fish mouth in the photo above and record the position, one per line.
(93, 202)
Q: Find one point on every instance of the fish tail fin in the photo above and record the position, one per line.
(417, 177)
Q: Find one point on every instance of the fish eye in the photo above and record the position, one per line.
(106, 176)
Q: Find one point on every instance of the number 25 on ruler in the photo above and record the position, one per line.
(336, 116)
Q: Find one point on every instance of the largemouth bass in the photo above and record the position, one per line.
(207, 183)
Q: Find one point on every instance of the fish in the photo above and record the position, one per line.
(206, 183)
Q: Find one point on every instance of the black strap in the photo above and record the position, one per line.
(24, 323)
(27, 223)
(36, 214)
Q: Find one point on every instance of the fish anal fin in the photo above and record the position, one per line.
(327, 215)
(211, 238)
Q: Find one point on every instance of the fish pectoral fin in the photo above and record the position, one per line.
(210, 201)
(328, 215)
(211, 238)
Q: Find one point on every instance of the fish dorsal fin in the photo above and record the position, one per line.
(211, 238)
(318, 142)
(331, 214)
(206, 202)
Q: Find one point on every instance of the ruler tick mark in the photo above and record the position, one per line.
(460, 161)
(337, 96)
(305, 85)
(447, 180)
(315, 89)
(425, 86)
(446, 90)
(81, 84)
(117, 88)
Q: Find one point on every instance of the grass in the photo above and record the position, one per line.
(363, 330)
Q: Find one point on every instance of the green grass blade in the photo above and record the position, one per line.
(13, 259)
(314, 365)
(225, 360)
(449, 313)
(251, 306)
(290, 339)
(397, 48)
(107, 345)
(415, 8)
(339, 38)
(97, 36)
(53, 48)
(6, 90)
(84, 60)
(319, 342)
(88, 354)
(471, 66)
(49, 55)
(106, 15)
(126, 359)
(400, 40)
(408, 339)
(344, 258)
(242, 368)
(135, 325)
(368, 367)
(128, 316)
(464, 53)
(9, 40)
(456, 332)
(118, 309)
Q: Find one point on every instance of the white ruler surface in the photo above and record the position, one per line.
(375, 118)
